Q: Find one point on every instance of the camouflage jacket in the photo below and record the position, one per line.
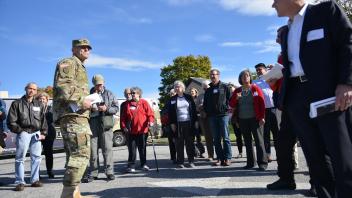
(70, 89)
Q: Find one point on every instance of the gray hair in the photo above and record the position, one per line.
(138, 90)
(217, 71)
(125, 91)
(179, 83)
(29, 84)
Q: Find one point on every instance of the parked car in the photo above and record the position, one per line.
(119, 137)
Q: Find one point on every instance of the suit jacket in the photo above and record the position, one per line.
(327, 60)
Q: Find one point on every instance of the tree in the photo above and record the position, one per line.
(48, 90)
(346, 5)
(183, 68)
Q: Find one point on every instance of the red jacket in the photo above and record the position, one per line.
(258, 101)
(136, 116)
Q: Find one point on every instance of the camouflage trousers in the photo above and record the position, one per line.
(76, 136)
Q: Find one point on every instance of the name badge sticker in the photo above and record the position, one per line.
(36, 108)
(215, 91)
(132, 107)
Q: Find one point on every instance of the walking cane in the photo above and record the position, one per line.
(156, 160)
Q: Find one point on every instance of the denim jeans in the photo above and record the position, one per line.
(25, 141)
(219, 125)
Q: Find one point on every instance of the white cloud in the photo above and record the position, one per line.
(204, 38)
(98, 61)
(262, 46)
(249, 7)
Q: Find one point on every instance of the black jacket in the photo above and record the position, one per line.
(172, 109)
(216, 99)
(24, 116)
(327, 60)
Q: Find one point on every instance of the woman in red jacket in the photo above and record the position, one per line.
(249, 108)
(136, 119)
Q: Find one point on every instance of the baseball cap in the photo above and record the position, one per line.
(98, 79)
(81, 42)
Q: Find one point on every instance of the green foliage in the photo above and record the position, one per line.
(347, 6)
(183, 68)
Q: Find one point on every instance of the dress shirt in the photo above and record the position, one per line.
(294, 40)
(267, 92)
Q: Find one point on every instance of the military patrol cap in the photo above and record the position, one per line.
(81, 42)
(98, 79)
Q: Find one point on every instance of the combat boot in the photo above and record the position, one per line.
(67, 192)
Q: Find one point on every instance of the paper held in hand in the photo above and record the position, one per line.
(322, 107)
(274, 73)
(94, 98)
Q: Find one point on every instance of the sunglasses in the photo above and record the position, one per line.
(134, 93)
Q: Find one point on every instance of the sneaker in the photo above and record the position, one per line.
(110, 177)
(37, 184)
(180, 166)
(19, 187)
(192, 165)
(145, 168)
(131, 170)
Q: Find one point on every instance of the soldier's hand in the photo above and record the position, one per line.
(41, 137)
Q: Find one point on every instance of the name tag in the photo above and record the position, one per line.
(132, 107)
(315, 34)
(173, 101)
(215, 91)
(36, 108)
(255, 93)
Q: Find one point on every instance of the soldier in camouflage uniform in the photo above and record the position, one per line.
(71, 110)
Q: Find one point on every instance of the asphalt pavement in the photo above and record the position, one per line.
(202, 181)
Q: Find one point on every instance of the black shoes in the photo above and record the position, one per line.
(261, 168)
(247, 167)
(51, 175)
(281, 185)
(110, 177)
(88, 179)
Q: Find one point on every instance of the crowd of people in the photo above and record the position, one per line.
(317, 63)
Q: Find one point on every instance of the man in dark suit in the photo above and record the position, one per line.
(317, 55)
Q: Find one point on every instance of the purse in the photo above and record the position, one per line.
(108, 122)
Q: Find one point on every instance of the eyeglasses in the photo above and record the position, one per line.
(214, 74)
(134, 93)
(128, 93)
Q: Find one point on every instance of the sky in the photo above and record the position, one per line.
(133, 39)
